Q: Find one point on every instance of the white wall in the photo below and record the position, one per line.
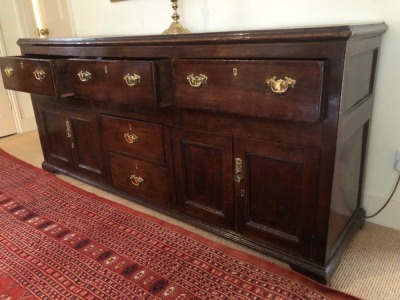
(16, 22)
(141, 17)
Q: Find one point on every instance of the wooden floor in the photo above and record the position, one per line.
(370, 267)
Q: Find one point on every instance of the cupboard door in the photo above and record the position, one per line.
(85, 144)
(70, 139)
(276, 196)
(203, 167)
(52, 129)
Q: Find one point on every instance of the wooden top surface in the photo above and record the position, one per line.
(343, 32)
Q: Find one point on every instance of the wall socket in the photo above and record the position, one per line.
(397, 161)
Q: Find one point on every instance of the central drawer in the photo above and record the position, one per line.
(279, 89)
(142, 84)
(137, 138)
(140, 178)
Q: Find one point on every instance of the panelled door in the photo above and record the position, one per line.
(7, 122)
(84, 138)
(53, 15)
(275, 193)
(56, 147)
(70, 139)
(203, 172)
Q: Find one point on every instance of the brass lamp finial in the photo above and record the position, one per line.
(175, 27)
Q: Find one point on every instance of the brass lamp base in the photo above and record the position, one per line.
(175, 27)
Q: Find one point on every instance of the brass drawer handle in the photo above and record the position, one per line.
(136, 180)
(39, 74)
(132, 80)
(131, 138)
(84, 76)
(281, 85)
(196, 81)
(9, 71)
(238, 175)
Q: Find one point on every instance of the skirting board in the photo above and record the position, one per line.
(389, 216)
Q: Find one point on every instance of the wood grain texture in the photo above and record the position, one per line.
(149, 144)
(203, 171)
(107, 82)
(245, 91)
(303, 152)
(54, 81)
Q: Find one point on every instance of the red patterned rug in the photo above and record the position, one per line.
(60, 242)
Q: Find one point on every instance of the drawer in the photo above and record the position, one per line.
(141, 139)
(143, 84)
(280, 89)
(36, 75)
(143, 179)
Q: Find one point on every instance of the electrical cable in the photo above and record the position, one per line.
(387, 202)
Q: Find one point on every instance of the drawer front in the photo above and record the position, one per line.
(120, 81)
(288, 90)
(38, 76)
(141, 139)
(143, 179)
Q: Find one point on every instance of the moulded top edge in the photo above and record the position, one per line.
(344, 32)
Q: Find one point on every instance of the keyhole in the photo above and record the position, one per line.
(235, 72)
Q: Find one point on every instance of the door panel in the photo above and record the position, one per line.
(203, 166)
(70, 139)
(55, 16)
(7, 122)
(277, 194)
(275, 186)
(55, 145)
(87, 154)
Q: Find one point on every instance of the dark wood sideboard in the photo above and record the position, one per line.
(258, 136)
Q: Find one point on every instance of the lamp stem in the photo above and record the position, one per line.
(175, 27)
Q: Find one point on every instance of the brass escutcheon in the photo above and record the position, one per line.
(84, 76)
(68, 129)
(132, 80)
(238, 175)
(281, 85)
(39, 74)
(9, 71)
(196, 81)
(131, 138)
(235, 72)
(136, 180)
